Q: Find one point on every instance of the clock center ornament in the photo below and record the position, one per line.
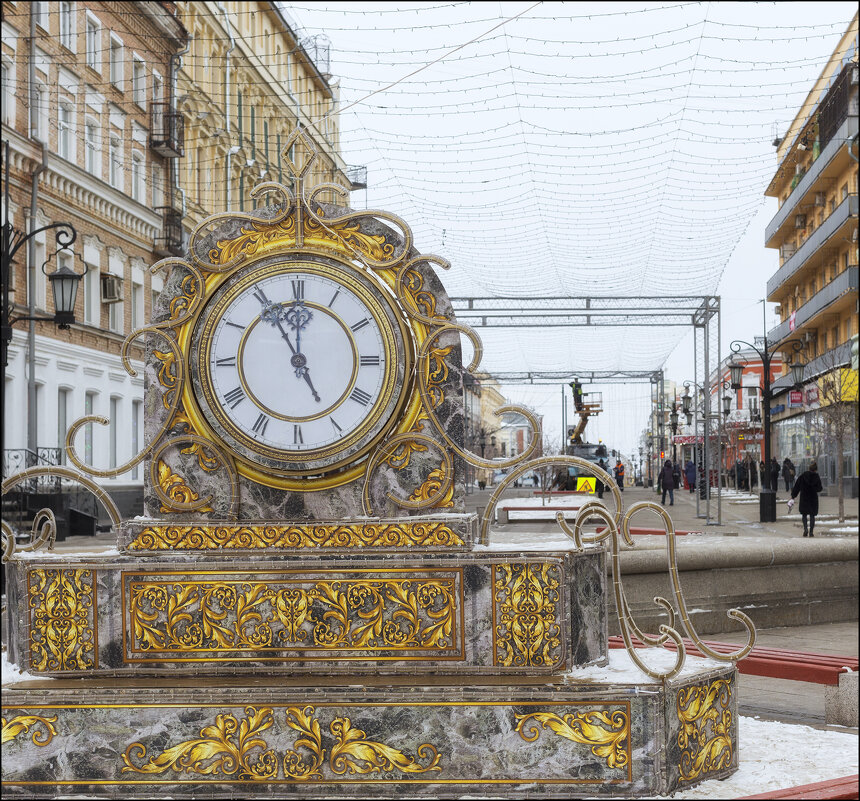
(304, 518)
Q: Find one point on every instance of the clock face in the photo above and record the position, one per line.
(298, 366)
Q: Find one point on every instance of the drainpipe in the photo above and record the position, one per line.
(232, 150)
(32, 411)
(175, 60)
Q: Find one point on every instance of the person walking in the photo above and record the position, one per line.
(808, 485)
(600, 485)
(774, 474)
(690, 475)
(667, 482)
(788, 473)
(619, 475)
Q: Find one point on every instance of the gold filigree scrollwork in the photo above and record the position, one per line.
(229, 744)
(63, 633)
(22, 724)
(431, 490)
(526, 628)
(194, 617)
(355, 754)
(400, 534)
(304, 722)
(43, 533)
(391, 445)
(607, 733)
(175, 488)
(196, 505)
(705, 737)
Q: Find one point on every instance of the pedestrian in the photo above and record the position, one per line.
(788, 473)
(676, 475)
(774, 473)
(601, 487)
(619, 475)
(808, 485)
(690, 474)
(667, 482)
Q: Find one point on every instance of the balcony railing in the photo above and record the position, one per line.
(839, 356)
(166, 131)
(357, 177)
(846, 131)
(169, 243)
(847, 281)
(17, 459)
(838, 217)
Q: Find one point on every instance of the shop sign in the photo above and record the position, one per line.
(683, 439)
(812, 395)
(777, 409)
(795, 398)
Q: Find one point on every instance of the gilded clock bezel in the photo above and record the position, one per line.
(266, 465)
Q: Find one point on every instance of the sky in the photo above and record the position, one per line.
(568, 149)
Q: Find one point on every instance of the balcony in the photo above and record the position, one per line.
(357, 177)
(847, 281)
(836, 224)
(166, 131)
(839, 356)
(170, 241)
(829, 164)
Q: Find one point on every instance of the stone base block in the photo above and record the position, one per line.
(840, 702)
(416, 737)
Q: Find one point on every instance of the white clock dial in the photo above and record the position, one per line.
(300, 365)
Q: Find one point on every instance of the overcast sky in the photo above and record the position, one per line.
(580, 149)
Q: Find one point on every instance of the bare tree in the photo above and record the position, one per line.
(834, 423)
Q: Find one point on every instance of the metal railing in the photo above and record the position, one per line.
(17, 459)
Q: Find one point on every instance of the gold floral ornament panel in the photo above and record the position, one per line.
(406, 534)
(241, 749)
(63, 620)
(43, 729)
(705, 738)
(526, 615)
(608, 733)
(188, 619)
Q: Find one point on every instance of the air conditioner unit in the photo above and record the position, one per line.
(111, 288)
(820, 199)
(799, 169)
(787, 250)
(800, 221)
(778, 311)
(808, 336)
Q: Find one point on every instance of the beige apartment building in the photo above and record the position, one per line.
(816, 285)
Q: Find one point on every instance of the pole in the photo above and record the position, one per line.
(767, 496)
(720, 456)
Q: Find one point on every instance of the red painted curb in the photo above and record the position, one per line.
(847, 787)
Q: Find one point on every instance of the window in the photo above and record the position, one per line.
(92, 297)
(136, 407)
(116, 318)
(136, 306)
(157, 194)
(40, 123)
(114, 424)
(156, 87)
(7, 83)
(92, 161)
(63, 395)
(138, 177)
(115, 158)
(40, 280)
(844, 191)
(67, 25)
(89, 407)
(39, 11)
(116, 62)
(93, 60)
(834, 336)
(138, 82)
(64, 131)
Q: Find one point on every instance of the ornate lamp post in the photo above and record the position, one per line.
(767, 496)
(673, 424)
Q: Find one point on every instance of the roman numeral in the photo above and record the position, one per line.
(336, 426)
(229, 361)
(234, 397)
(298, 289)
(360, 396)
(368, 361)
(297, 435)
(260, 425)
(360, 324)
(261, 296)
(334, 298)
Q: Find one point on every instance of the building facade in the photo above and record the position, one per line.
(133, 122)
(816, 285)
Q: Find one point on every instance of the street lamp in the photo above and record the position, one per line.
(767, 495)
(673, 423)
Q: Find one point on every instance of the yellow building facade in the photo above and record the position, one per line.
(816, 285)
(247, 80)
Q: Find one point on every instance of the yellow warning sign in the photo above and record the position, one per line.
(586, 485)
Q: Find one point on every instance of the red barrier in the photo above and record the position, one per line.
(845, 788)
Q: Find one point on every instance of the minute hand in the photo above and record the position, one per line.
(298, 361)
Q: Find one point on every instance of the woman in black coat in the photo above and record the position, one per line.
(808, 485)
